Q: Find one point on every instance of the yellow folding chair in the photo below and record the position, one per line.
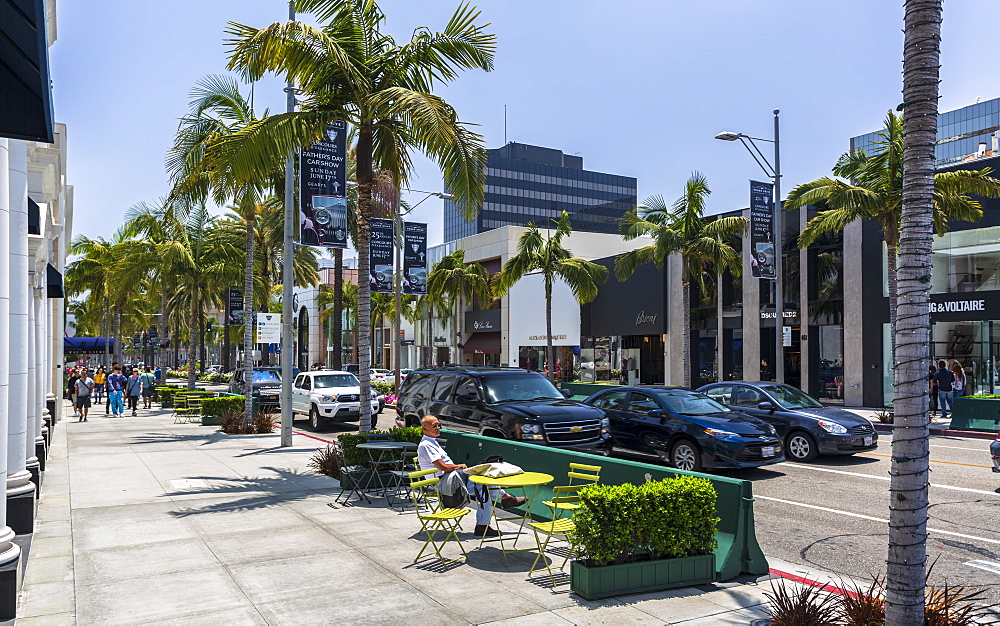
(579, 477)
(558, 527)
(443, 520)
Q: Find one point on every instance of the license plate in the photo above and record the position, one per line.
(767, 451)
(868, 441)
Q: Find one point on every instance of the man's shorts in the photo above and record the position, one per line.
(147, 392)
(83, 402)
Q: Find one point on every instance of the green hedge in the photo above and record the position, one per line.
(220, 406)
(675, 517)
(350, 441)
(383, 388)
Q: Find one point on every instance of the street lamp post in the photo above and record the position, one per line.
(773, 172)
(288, 276)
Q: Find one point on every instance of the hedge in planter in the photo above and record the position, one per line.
(349, 442)
(638, 538)
(218, 407)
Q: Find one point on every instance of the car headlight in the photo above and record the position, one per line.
(605, 424)
(531, 429)
(771, 430)
(832, 427)
(328, 398)
(724, 435)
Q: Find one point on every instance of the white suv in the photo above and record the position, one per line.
(327, 395)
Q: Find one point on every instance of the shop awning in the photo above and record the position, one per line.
(483, 343)
(26, 97)
(88, 345)
(53, 283)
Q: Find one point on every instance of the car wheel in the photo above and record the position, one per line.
(801, 446)
(314, 419)
(685, 456)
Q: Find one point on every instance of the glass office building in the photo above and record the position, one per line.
(526, 184)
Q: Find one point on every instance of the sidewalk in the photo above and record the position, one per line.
(144, 521)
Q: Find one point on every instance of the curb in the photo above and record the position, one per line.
(813, 583)
(944, 432)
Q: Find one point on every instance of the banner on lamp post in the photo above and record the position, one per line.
(323, 190)
(415, 258)
(380, 248)
(235, 315)
(763, 256)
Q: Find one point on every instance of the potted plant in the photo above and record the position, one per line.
(978, 412)
(212, 409)
(640, 538)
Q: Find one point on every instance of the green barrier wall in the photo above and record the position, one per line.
(982, 414)
(738, 551)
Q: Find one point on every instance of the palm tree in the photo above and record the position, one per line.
(347, 69)
(682, 229)
(876, 193)
(909, 471)
(454, 281)
(546, 255)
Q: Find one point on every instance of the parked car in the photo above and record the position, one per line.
(807, 427)
(995, 451)
(215, 369)
(265, 383)
(329, 396)
(509, 403)
(687, 429)
(383, 376)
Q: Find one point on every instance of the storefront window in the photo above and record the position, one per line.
(532, 358)
(830, 366)
(966, 261)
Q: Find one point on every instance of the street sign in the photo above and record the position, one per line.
(268, 327)
(786, 336)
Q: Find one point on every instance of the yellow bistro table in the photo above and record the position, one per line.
(518, 481)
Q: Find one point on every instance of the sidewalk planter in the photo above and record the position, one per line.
(972, 413)
(594, 583)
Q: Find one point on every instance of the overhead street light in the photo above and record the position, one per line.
(774, 173)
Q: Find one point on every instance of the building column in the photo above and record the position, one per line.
(805, 332)
(854, 366)
(673, 344)
(31, 386)
(20, 489)
(38, 350)
(10, 553)
(751, 315)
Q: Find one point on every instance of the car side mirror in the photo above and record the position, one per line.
(657, 414)
(466, 399)
(566, 393)
(766, 406)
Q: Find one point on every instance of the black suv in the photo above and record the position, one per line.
(509, 403)
(266, 383)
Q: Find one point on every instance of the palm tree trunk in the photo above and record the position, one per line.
(686, 337)
(248, 331)
(338, 309)
(363, 154)
(193, 339)
(201, 345)
(118, 338)
(551, 372)
(161, 325)
(907, 554)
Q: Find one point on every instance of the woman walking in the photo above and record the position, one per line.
(959, 385)
(932, 388)
(74, 375)
(100, 378)
(134, 390)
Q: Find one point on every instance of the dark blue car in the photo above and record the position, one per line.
(687, 429)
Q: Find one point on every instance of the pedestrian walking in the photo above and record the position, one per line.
(100, 379)
(133, 389)
(932, 388)
(74, 375)
(107, 405)
(148, 383)
(958, 387)
(946, 396)
(116, 391)
(158, 374)
(84, 387)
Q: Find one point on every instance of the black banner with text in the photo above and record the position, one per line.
(762, 253)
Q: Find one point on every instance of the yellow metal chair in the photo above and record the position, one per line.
(558, 527)
(579, 477)
(443, 520)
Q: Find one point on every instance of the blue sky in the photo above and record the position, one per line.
(637, 88)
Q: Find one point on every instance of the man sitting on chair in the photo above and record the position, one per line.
(432, 456)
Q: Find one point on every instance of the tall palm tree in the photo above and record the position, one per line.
(909, 471)
(452, 280)
(875, 192)
(546, 255)
(347, 69)
(682, 229)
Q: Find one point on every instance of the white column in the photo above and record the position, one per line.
(9, 551)
(41, 363)
(18, 479)
(31, 386)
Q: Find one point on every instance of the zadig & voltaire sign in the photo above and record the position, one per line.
(958, 306)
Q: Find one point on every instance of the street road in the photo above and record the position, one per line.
(831, 514)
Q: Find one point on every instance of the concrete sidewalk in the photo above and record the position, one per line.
(142, 520)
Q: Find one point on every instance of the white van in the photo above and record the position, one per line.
(329, 396)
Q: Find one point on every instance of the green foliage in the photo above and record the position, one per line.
(800, 605)
(324, 462)
(221, 406)
(234, 423)
(349, 442)
(383, 388)
(672, 518)
(990, 396)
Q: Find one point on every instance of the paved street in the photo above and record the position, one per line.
(831, 514)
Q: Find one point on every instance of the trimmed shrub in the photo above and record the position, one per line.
(220, 406)
(349, 442)
(383, 388)
(672, 518)
(234, 423)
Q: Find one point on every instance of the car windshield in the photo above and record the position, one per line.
(792, 398)
(520, 387)
(689, 402)
(266, 376)
(335, 380)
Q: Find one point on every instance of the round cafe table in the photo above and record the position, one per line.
(385, 454)
(522, 481)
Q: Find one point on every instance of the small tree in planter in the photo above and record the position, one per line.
(639, 538)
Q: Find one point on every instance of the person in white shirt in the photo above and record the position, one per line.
(431, 455)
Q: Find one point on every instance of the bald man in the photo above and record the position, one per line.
(432, 456)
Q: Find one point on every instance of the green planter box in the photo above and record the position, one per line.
(594, 583)
(982, 414)
(210, 420)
